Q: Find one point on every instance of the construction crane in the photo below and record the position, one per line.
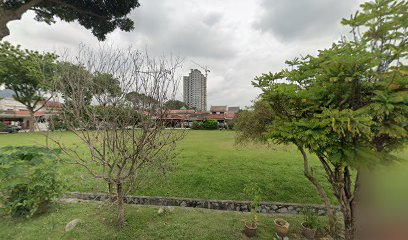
(206, 70)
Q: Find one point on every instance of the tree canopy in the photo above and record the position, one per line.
(28, 73)
(70, 76)
(348, 105)
(175, 104)
(101, 17)
(105, 87)
(252, 123)
(140, 100)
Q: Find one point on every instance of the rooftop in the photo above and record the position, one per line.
(218, 109)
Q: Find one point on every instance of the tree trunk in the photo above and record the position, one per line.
(349, 227)
(330, 212)
(352, 204)
(348, 210)
(5, 17)
(32, 120)
(15, 14)
(121, 207)
(112, 197)
(358, 206)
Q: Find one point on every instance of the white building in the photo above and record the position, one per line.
(195, 90)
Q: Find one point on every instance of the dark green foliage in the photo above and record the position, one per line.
(210, 124)
(114, 116)
(2, 127)
(101, 17)
(349, 104)
(197, 125)
(230, 124)
(106, 85)
(252, 124)
(28, 73)
(73, 78)
(140, 100)
(175, 105)
(56, 123)
(28, 179)
(350, 99)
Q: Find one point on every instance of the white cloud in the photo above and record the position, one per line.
(236, 39)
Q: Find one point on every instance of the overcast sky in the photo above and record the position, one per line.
(236, 39)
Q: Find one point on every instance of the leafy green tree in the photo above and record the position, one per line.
(71, 76)
(348, 105)
(175, 104)
(140, 100)
(101, 17)
(56, 123)
(29, 74)
(252, 123)
(105, 87)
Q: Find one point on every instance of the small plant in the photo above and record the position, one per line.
(252, 221)
(310, 223)
(310, 219)
(28, 180)
(252, 191)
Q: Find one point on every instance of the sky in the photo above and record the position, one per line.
(237, 40)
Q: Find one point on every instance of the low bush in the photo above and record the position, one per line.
(29, 180)
(3, 127)
(197, 125)
(210, 124)
(230, 125)
(56, 123)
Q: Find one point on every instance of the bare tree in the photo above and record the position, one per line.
(127, 143)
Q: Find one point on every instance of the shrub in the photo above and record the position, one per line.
(28, 179)
(56, 123)
(230, 125)
(197, 125)
(210, 124)
(2, 127)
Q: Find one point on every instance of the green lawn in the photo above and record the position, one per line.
(210, 166)
(98, 222)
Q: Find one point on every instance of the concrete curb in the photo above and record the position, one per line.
(225, 205)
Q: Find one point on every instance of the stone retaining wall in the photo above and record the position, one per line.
(226, 205)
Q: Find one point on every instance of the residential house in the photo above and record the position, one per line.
(15, 113)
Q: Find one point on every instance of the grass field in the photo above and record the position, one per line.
(141, 223)
(210, 166)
